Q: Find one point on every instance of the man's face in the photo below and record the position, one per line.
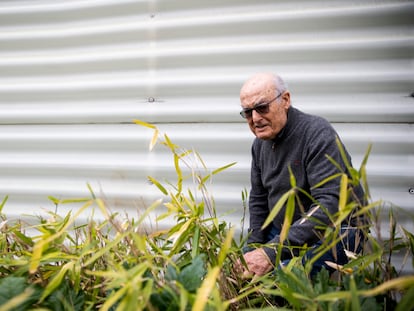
(265, 125)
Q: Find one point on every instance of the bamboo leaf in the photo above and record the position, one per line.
(334, 296)
(397, 283)
(355, 304)
(290, 210)
(407, 301)
(57, 280)
(151, 126)
(179, 173)
(206, 287)
(159, 186)
(143, 123)
(154, 139)
(196, 240)
(292, 178)
(328, 179)
(91, 191)
(276, 209)
(3, 203)
(225, 247)
(343, 153)
(218, 170)
(36, 256)
(343, 195)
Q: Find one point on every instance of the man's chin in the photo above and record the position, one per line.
(263, 136)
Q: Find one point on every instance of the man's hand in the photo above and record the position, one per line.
(257, 263)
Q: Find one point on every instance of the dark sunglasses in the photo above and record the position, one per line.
(261, 108)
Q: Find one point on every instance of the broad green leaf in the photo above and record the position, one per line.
(192, 275)
(16, 294)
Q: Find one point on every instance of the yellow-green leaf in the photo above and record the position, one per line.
(276, 209)
(206, 287)
(343, 196)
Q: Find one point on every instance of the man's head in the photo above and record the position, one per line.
(268, 94)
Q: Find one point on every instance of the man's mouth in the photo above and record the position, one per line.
(260, 126)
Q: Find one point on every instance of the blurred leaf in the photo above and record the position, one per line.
(16, 294)
(3, 203)
(407, 301)
(400, 283)
(206, 287)
(65, 298)
(355, 303)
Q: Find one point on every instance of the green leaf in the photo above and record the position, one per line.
(16, 294)
(192, 275)
(355, 303)
(65, 298)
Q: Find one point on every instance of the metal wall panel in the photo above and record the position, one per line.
(74, 74)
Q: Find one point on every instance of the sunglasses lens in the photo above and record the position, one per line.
(262, 109)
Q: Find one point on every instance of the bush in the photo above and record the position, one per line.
(114, 265)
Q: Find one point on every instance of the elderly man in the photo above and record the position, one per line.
(288, 139)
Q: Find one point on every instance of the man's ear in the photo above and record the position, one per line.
(286, 99)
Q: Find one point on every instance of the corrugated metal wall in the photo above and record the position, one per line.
(74, 74)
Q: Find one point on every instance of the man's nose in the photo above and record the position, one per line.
(256, 115)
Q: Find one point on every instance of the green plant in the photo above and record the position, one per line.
(114, 264)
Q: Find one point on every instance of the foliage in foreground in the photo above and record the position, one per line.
(115, 265)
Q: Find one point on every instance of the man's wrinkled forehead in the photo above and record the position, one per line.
(259, 83)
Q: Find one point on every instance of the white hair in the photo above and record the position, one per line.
(280, 84)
